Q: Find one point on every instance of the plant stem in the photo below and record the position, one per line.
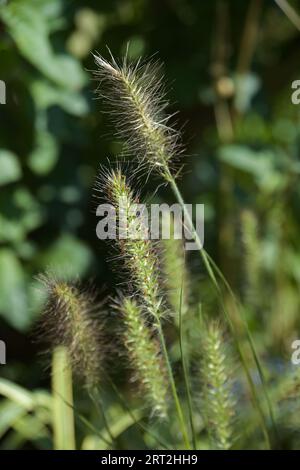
(96, 399)
(84, 420)
(289, 11)
(134, 419)
(249, 37)
(208, 266)
(173, 386)
(185, 373)
(63, 416)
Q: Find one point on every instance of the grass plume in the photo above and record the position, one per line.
(145, 357)
(69, 321)
(136, 100)
(217, 401)
(136, 248)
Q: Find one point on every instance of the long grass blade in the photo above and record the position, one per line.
(185, 372)
(290, 12)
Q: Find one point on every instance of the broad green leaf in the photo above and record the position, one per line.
(31, 214)
(245, 159)
(31, 427)
(27, 23)
(16, 394)
(9, 413)
(23, 397)
(19, 214)
(13, 299)
(262, 165)
(68, 256)
(44, 157)
(27, 413)
(10, 167)
(45, 95)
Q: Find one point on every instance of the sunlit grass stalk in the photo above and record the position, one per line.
(173, 261)
(185, 371)
(174, 389)
(63, 416)
(290, 12)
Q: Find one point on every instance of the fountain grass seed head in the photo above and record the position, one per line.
(145, 357)
(136, 248)
(218, 405)
(70, 320)
(136, 102)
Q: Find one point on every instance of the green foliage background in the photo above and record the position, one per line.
(53, 139)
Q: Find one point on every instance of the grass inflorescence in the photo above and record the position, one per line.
(136, 103)
(155, 280)
(218, 404)
(145, 357)
(137, 250)
(144, 138)
(71, 319)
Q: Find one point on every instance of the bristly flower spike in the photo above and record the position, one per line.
(69, 320)
(145, 357)
(136, 100)
(135, 246)
(217, 400)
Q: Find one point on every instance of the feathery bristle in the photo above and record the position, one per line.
(69, 320)
(145, 357)
(136, 248)
(135, 96)
(217, 401)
